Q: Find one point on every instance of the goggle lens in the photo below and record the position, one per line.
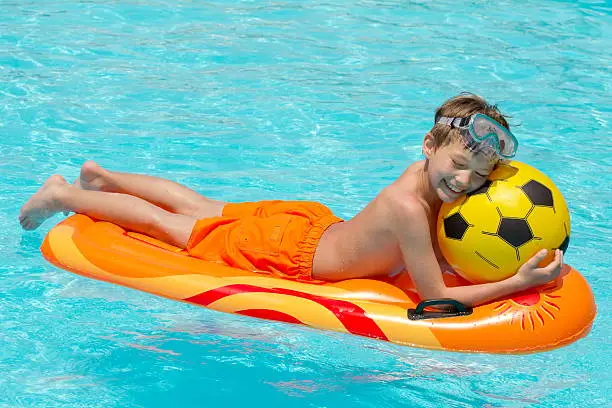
(484, 129)
(480, 130)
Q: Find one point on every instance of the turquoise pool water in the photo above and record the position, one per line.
(252, 100)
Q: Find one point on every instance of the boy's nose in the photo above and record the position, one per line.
(463, 178)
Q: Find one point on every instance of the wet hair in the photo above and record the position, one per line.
(461, 106)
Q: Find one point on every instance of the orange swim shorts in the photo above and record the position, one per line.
(278, 237)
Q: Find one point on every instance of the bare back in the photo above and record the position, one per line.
(365, 245)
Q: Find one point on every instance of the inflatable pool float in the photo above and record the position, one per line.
(541, 319)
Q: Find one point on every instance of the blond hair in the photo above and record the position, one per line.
(462, 106)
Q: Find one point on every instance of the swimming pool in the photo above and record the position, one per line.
(322, 101)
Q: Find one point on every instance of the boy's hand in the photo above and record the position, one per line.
(529, 274)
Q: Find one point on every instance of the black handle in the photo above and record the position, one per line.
(455, 309)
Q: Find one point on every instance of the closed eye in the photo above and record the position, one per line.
(458, 165)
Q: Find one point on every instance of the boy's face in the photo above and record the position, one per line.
(455, 171)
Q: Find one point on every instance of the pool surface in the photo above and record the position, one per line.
(253, 100)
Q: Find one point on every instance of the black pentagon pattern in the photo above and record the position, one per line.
(565, 244)
(538, 193)
(514, 231)
(455, 226)
(484, 189)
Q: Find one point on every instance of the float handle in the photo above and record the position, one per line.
(452, 308)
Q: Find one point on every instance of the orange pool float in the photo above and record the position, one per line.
(540, 319)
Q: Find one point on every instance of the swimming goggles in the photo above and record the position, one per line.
(480, 131)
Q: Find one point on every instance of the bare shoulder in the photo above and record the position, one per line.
(402, 197)
(397, 198)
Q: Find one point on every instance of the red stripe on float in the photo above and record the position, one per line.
(210, 296)
(350, 315)
(270, 315)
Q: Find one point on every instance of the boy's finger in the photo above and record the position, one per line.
(554, 264)
(532, 263)
(538, 257)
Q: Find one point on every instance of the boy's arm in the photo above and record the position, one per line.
(411, 226)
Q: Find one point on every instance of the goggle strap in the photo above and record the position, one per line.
(454, 122)
(445, 121)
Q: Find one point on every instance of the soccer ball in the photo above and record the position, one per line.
(489, 233)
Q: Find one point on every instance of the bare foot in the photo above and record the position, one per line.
(43, 204)
(92, 177)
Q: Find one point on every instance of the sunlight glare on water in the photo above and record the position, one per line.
(253, 100)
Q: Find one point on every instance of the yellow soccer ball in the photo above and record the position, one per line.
(489, 233)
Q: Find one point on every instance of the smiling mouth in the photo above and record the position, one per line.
(452, 189)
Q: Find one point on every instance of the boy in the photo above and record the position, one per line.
(304, 240)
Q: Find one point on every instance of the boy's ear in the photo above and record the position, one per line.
(429, 145)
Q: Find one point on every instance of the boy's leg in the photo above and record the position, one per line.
(163, 193)
(130, 212)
